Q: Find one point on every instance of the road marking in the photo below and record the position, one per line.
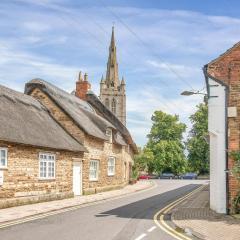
(72, 208)
(151, 229)
(141, 236)
(159, 216)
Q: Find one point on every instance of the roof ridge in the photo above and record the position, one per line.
(229, 50)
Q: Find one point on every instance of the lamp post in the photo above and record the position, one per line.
(190, 93)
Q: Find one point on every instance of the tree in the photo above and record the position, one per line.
(169, 157)
(197, 146)
(144, 160)
(165, 143)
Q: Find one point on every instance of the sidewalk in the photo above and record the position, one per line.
(15, 213)
(194, 216)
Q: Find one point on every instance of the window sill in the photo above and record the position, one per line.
(47, 179)
(111, 175)
(3, 168)
(93, 180)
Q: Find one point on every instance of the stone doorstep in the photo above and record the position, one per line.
(14, 211)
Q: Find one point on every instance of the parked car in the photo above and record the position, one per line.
(167, 176)
(188, 176)
(143, 177)
(153, 176)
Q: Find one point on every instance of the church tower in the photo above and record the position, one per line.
(112, 91)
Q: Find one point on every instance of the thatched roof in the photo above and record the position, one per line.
(108, 115)
(80, 111)
(24, 120)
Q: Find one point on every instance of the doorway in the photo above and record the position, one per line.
(77, 178)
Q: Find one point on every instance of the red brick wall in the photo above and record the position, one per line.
(227, 69)
(82, 89)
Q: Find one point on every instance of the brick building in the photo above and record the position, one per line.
(223, 85)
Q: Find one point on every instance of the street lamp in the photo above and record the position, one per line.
(189, 93)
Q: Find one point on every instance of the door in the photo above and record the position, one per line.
(77, 178)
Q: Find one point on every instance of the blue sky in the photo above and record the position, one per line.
(161, 45)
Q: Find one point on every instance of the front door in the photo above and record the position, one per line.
(77, 178)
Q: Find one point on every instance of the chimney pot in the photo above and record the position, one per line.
(82, 87)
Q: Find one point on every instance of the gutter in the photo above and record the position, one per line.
(207, 76)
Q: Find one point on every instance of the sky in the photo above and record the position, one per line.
(162, 46)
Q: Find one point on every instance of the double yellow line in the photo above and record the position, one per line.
(159, 216)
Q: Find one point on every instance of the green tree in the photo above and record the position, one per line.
(144, 160)
(197, 145)
(165, 143)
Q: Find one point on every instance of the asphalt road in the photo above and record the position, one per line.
(129, 217)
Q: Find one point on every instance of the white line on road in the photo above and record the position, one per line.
(152, 228)
(141, 236)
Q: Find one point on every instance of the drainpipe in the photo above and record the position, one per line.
(207, 76)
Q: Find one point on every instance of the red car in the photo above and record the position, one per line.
(143, 177)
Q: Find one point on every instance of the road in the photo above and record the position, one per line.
(126, 218)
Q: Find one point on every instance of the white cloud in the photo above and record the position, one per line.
(144, 103)
(57, 43)
(170, 68)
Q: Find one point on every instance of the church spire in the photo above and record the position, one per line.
(113, 89)
(112, 79)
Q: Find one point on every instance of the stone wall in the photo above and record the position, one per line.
(21, 177)
(227, 69)
(98, 149)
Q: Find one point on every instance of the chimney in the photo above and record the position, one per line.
(82, 86)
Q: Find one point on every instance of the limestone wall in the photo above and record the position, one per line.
(97, 150)
(21, 176)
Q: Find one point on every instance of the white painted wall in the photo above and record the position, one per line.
(216, 128)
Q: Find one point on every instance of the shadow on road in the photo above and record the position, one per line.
(146, 208)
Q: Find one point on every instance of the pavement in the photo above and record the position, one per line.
(123, 217)
(19, 212)
(195, 218)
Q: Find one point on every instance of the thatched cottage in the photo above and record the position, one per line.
(107, 162)
(36, 153)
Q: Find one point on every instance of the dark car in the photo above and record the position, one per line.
(167, 176)
(189, 176)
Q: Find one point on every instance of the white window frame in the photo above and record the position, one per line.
(6, 157)
(111, 166)
(91, 178)
(109, 134)
(44, 158)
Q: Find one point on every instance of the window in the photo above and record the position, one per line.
(93, 170)
(3, 157)
(46, 166)
(114, 106)
(111, 166)
(107, 103)
(109, 134)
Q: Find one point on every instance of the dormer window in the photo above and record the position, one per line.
(109, 134)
